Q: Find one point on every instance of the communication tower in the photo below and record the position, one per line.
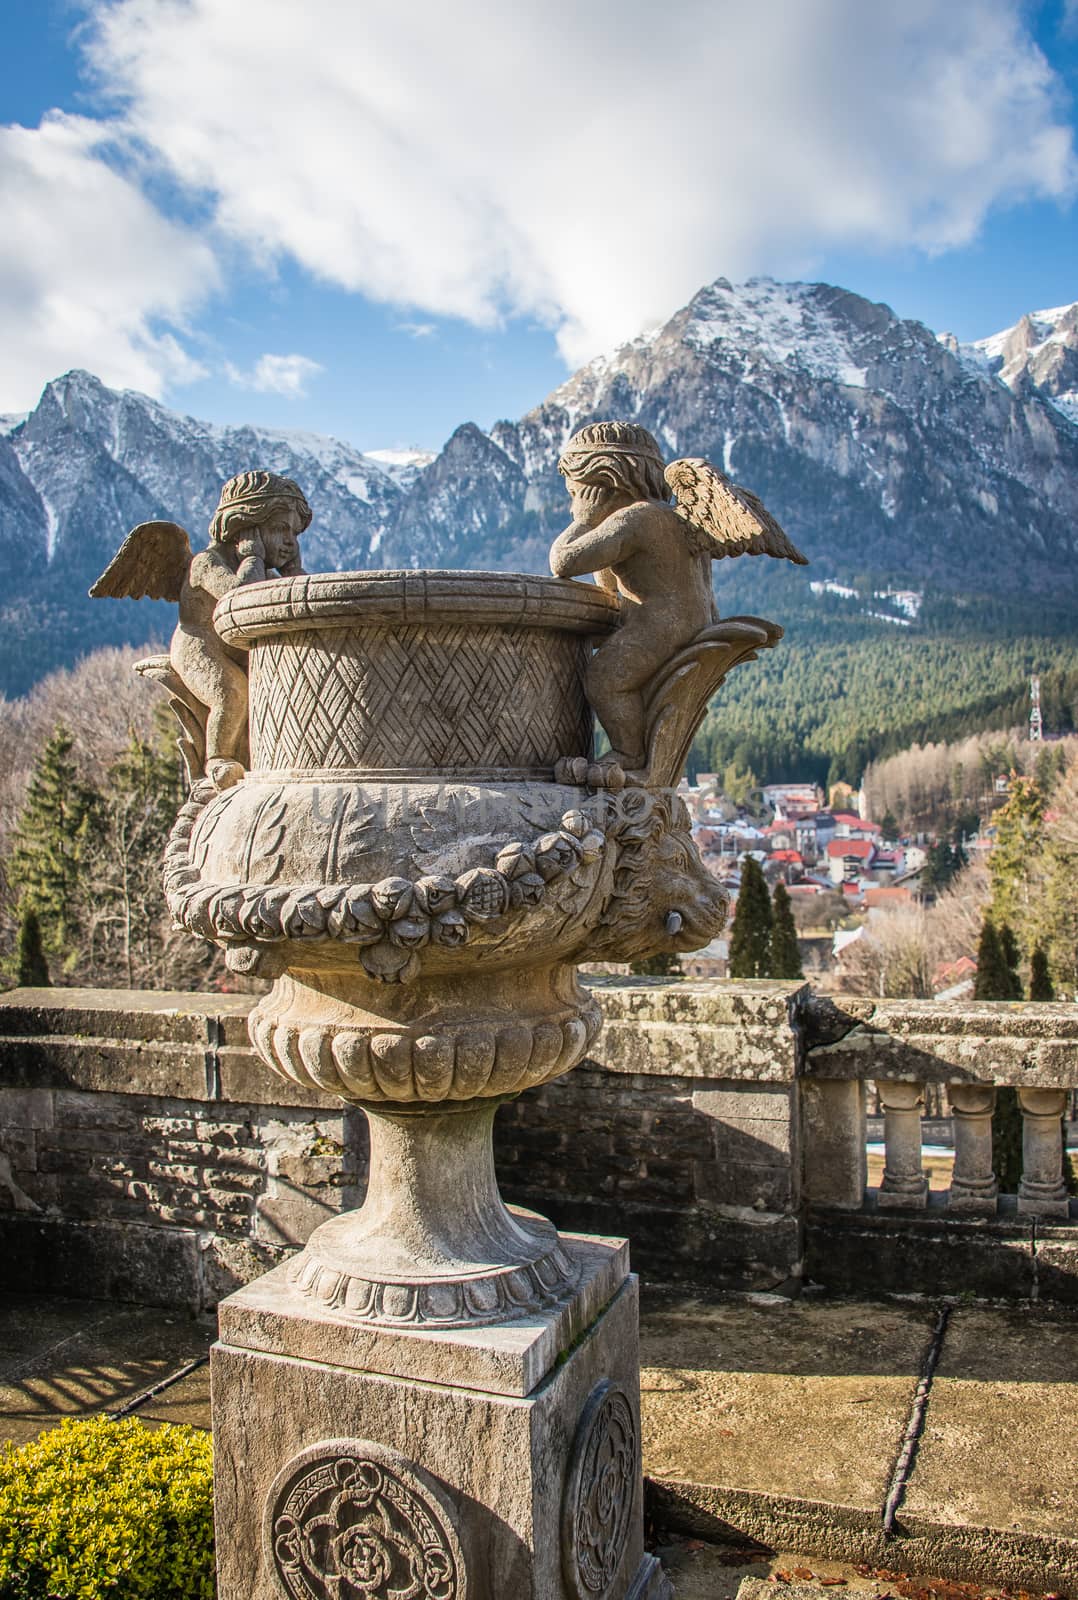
(1036, 727)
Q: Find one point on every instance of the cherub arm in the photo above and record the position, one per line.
(585, 547)
(210, 572)
(252, 553)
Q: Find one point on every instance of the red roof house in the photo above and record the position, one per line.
(849, 849)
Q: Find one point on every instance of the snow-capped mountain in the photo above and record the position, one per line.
(403, 466)
(89, 462)
(878, 447)
(84, 439)
(883, 448)
(1039, 354)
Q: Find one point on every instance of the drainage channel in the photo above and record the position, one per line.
(158, 1388)
(915, 1425)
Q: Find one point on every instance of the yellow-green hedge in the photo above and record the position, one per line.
(102, 1510)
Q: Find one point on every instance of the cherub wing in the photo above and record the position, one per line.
(152, 562)
(728, 520)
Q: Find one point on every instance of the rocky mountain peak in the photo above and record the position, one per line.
(1038, 355)
(460, 502)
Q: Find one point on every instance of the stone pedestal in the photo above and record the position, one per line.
(437, 1463)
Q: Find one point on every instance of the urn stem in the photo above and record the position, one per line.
(433, 1203)
(434, 1241)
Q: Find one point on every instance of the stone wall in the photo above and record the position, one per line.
(681, 1131)
(146, 1154)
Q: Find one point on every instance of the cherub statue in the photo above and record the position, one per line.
(253, 535)
(657, 558)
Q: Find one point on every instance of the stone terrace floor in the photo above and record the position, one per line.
(770, 1427)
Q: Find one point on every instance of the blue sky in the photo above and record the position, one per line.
(326, 221)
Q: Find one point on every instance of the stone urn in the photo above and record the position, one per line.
(400, 860)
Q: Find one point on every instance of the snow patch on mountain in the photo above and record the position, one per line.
(1042, 327)
(782, 322)
(403, 466)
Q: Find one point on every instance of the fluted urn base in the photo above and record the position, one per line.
(452, 1038)
(434, 1245)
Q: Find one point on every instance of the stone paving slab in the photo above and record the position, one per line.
(62, 1357)
(702, 1571)
(187, 1401)
(763, 1420)
(1003, 1417)
(750, 1418)
(790, 1399)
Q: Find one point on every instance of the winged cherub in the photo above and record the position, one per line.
(253, 535)
(656, 557)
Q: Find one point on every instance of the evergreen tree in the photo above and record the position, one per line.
(1040, 979)
(1007, 1140)
(750, 937)
(889, 825)
(997, 980)
(993, 981)
(135, 815)
(1053, 919)
(1050, 765)
(1008, 944)
(785, 957)
(31, 968)
(47, 868)
(967, 825)
(932, 871)
(738, 786)
(1018, 826)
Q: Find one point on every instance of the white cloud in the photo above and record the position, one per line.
(1069, 22)
(287, 375)
(91, 274)
(416, 330)
(589, 166)
(592, 165)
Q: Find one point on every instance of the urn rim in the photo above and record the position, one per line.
(393, 599)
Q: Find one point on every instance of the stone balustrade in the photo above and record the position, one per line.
(146, 1154)
(972, 1049)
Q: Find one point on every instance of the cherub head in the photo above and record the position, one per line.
(262, 502)
(612, 459)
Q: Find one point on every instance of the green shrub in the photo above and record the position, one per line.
(103, 1510)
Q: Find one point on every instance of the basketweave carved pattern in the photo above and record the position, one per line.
(418, 698)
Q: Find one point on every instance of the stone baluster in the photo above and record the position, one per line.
(904, 1183)
(974, 1188)
(1042, 1191)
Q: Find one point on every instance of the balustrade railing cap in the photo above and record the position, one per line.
(401, 599)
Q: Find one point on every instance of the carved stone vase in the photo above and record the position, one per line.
(401, 862)
(438, 1396)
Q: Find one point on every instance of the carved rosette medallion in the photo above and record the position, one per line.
(604, 1471)
(350, 1520)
